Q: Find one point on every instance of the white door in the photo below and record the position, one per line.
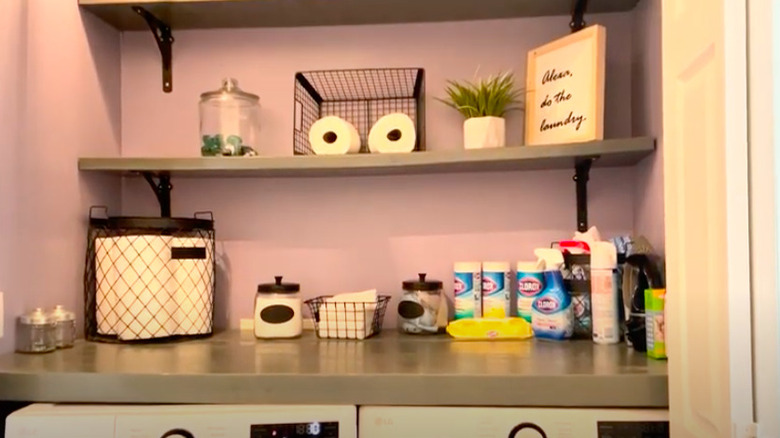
(706, 202)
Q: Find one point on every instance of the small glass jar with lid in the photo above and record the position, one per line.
(418, 310)
(65, 327)
(35, 332)
(229, 121)
(278, 308)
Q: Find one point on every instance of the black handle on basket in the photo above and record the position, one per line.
(180, 253)
(204, 213)
(98, 207)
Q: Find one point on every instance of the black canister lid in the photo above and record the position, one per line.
(278, 287)
(422, 284)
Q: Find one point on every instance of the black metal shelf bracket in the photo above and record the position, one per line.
(578, 9)
(162, 190)
(581, 177)
(164, 38)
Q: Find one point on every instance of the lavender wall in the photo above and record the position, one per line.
(12, 37)
(339, 234)
(61, 75)
(647, 120)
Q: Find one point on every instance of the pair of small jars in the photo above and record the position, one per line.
(42, 332)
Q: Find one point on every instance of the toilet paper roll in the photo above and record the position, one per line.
(334, 136)
(108, 288)
(144, 277)
(190, 287)
(392, 133)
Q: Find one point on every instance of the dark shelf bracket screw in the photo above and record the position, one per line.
(581, 177)
(162, 190)
(164, 38)
(578, 15)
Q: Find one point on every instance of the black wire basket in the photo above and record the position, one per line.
(149, 279)
(360, 97)
(347, 320)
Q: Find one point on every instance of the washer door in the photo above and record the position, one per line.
(527, 430)
(177, 433)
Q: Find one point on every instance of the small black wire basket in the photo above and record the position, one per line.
(149, 278)
(347, 320)
(361, 97)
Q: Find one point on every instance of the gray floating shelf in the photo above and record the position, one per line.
(610, 153)
(390, 369)
(205, 14)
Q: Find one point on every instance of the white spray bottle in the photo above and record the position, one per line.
(604, 293)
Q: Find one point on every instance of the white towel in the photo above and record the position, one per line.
(348, 315)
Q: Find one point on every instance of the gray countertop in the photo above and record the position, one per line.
(390, 369)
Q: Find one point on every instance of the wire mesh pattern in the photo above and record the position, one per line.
(347, 320)
(360, 97)
(576, 276)
(143, 284)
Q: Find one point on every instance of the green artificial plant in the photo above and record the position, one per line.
(494, 96)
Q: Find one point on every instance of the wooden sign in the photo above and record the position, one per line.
(565, 89)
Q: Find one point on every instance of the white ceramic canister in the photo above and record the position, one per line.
(278, 310)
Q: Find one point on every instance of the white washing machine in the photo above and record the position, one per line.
(190, 421)
(441, 422)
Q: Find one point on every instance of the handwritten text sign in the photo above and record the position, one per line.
(565, 89)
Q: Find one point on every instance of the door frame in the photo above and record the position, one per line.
(735, 25)
(764, 138)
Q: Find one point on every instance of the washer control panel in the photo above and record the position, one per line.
(633, 429)
(296, 430)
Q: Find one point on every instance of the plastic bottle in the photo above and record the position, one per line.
(552, 314)
(604, 293)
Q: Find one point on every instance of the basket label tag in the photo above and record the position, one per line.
(188, 253)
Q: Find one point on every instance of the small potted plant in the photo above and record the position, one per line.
(484, 105)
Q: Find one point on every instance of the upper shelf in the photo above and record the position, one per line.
(208, 14)
(610, 153)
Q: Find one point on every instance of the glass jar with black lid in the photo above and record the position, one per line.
(419, 306)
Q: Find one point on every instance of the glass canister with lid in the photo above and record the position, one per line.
(278, 309)
(419, 306)
(65, 327)
(229, 121)
(35, 332)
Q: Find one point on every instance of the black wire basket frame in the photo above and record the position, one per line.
(167, 319)
(359, 96)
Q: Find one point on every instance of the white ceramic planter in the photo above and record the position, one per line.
(484, 132)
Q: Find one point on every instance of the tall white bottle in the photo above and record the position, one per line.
(604, 293)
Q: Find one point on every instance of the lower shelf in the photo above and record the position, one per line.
(391, 369)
